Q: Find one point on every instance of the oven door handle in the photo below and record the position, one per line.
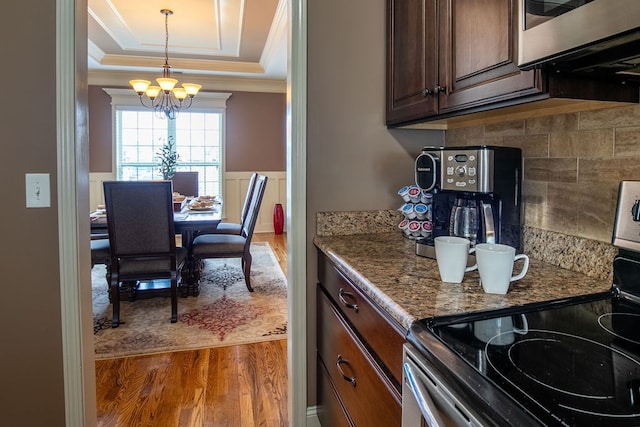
(421, 394)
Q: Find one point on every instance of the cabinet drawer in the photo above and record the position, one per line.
(367, 395)
(371, 323)
(330, 410)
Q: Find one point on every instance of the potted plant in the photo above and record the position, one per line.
(168, 159)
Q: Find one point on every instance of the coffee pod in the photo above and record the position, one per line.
(404, 226)
(408, 211)
(426, 197)
(426, 228)
(421, 211)
(414, 228)
(404, 193)
(414, 194)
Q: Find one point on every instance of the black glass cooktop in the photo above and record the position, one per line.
(575, 364)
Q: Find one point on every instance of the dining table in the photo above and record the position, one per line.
(188, 223)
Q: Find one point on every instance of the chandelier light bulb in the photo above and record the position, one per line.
(140, 86)
(166, 99)
(191, 88)
(179, 93)
(152, 92)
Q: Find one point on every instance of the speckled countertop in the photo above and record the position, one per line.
(408, 287)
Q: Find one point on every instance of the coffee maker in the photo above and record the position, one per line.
(476, 194)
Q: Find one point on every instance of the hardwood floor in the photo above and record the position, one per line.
(244, 385)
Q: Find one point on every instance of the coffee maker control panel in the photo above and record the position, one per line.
(460, 171)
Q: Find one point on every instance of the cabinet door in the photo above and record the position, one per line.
(479, 51)
(411, 59)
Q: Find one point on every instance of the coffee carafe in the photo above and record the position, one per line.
(476, 194)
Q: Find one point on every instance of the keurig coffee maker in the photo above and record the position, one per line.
(476, 194)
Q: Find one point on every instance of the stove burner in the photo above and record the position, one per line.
(580, 369)
(621, 325)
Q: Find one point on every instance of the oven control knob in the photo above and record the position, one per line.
(635, 211)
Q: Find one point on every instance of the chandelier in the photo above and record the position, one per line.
(166, 99)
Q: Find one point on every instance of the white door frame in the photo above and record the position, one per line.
(79, 401)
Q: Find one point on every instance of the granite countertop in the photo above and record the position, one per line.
(408, 287)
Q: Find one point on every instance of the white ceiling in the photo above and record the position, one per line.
(244, 39)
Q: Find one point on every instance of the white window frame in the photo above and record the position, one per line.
(212, 102)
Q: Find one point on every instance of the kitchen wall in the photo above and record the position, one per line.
(573, 164)
(354, 162)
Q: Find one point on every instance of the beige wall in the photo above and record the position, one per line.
(256, 138)
(573, 164)
(255, 130)
(31, 365)
(354, 162)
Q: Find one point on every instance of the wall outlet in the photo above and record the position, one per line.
(38, 191)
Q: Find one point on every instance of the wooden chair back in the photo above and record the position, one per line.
(186, 183)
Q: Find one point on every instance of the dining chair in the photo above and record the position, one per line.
(185, 183)
(234, 227)
(230, 245)
(141, 239)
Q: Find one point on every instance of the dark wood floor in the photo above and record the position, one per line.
(244, 385)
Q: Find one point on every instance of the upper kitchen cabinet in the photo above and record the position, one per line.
(450, 55)
(450, 58)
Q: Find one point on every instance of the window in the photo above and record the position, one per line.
(198, 134)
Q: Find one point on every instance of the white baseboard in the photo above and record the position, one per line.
(312, 417)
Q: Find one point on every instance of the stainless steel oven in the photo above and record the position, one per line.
(569, 362)
(557, 30)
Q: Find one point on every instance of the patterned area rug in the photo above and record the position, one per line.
(225, 313)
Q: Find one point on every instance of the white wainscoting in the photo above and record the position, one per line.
(234, 191)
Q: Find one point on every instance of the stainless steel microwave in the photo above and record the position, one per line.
(564, 30)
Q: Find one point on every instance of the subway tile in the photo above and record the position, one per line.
(589, 143)
(549, 218)
(505, 128)
(610, 117)
(551, 170)
(531, 145)
(563, 220)
(627, 142)
(563, 194)
(461, 136)
(548, 124)
(532, 214)
(534, 192)
(611, 170)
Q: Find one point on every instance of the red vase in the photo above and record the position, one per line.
(278, 219)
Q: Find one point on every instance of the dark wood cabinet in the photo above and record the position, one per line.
(451, 55)
(446, 58)
(359, 355)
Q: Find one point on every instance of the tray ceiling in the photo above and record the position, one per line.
(243, 38)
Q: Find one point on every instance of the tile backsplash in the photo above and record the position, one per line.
(572, 165)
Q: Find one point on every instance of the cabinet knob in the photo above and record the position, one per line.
(439, 89)
(346, 377)
(426, 92)
(342, 295)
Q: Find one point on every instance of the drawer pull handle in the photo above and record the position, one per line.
(341, 296)
(340, 361)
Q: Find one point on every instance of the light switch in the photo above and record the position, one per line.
(38, 190)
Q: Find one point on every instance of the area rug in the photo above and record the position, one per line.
(224, 313)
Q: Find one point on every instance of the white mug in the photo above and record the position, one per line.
(452, 254)
(495, 265)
